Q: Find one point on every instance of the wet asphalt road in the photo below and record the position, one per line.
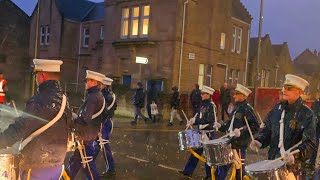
(151, 151)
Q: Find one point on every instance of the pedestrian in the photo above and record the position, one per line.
(225, 99)
(175, 102)
(46, 126)
(4, 96)
(138, 103)
(195, 99)
(243, 114)
(316, 109)
(87, 127)
(205, 121)
(216, 98)
(289, 126)
(152, 97)
(103, 142)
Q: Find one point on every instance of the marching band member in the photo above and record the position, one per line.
(106, 128)
(87, 126)
(205, 120)
(43, 156)
(241, 138)
(289, 126)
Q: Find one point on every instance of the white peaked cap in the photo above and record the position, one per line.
(95, 76)
(107, 81)
(242, 89)
(207, 89)
(296, 81)
(47, 65)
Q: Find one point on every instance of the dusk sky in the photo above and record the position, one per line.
(294, 21)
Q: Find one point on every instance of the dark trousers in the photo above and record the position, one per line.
(75, 164)
(152, 117)
(224, 109)
(137, 113)
(193, 161)
(107, 154)
(222, 171)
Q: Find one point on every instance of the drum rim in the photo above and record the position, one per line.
(228, 141)
(262, 171)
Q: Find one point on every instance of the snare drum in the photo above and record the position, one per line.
(218, 152)
(9, 167)
(189, 139)
(266, 170)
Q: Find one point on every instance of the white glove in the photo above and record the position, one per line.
(288, 159)
(74, 116)
(237, 132)
(254, 145)
(217, 125)
(262, 125)
(192, 120)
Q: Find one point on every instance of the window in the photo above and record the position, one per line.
(101, 32)
(86, 37)
(237, 75)
(266, 83)
(234, 76)
(134, 22)
(125, 23)
(145, 20)
(239, 38)
(201, 74)
(223, 41)
(158, 84)
(209, 75)
(231, 75)
(263, 77)
(47, 42)
(234, 39)
(42, 35)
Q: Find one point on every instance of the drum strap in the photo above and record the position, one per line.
(47, 126)
(101, 110)
(281, 145)
(231, 124)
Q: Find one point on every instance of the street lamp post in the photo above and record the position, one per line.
(257, 80)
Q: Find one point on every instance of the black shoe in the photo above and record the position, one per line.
(184, 173)
(133, 122)
(181, 122)
(109, 173)
(170, 124)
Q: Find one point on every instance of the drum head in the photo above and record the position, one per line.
(264, 166)
(218, 141)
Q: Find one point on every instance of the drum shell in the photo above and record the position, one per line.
(218, 154)
(189, 139)
(9, 167)
(276, 173)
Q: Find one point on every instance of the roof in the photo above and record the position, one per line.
(75, 10)
(240, 12)
(97, 13)
(17, 7)
(253, 46)
(277, 48)
(307, 62)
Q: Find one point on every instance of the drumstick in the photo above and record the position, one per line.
(228, 134)
(15, 108)
(250, 132)
(280, 158)
(262, 123)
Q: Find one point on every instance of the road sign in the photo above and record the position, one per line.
(141, 60)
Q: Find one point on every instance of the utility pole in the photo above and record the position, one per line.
(258, 76)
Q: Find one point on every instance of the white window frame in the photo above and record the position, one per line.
(223, 41)
(144, 17)
(125, 19)
(231, 76)
(132, 19)
(263, 76)
(239, 39)
(234, 39)
(237, 76)
(85, 36)
(47, 35)
(102, 32)
(201, 75)
(209, 75)
(42, 35)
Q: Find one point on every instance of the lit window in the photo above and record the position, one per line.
(209, 75)
(223, 41)
(42, 35)
(145, 20)
(102, 32)
(135, 22)
(239, 38)
(125, 23)
(47, 35)
(201, 75)
(86, 37)
(234, 39)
